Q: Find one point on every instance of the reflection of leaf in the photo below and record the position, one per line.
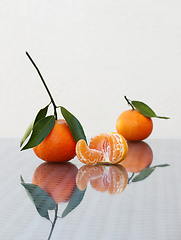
(41, 114)
(74, 125)
(145, 109)
(146, 172)
(42, 201)
(75, 200)
(40, 131)
(161, 165)
(143, 174)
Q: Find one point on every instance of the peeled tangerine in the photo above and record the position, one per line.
(103, 148)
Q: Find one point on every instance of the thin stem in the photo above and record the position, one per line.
(129, 102)
(53, 224)
(130, 178)
(53, 102)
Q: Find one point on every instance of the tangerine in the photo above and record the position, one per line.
(56, 179)
(140, 156)
(59, 145)
(133, 125)
(103, 148)
(102, 177)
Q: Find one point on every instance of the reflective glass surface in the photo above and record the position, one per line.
(138, 199)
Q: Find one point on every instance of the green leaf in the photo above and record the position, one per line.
(145, 109)
(40, 131)
(41, 114)
(143, 174)
(74, 125)
(42, 201)
(22, 180)
(27, 133)
(161, 165)
(146, 172)
(75, 200)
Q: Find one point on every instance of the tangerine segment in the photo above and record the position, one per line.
(103, 178)
(87, 173)
(87, 155)
(113, 146)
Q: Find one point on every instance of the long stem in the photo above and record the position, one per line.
(53, 102)
(129, 102)
(53, 224)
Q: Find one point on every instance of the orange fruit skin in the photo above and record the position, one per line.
(103, 178)
(59, 145)
(56, 179)
(103, 148)
(140, 156)
(133, 126)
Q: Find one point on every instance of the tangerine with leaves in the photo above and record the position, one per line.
(56, 179)
(103, 148)
(59, 145)
(53, 140)
(136, 124)
(133, 125)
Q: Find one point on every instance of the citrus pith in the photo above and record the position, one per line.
(59, 145)
(134, 126)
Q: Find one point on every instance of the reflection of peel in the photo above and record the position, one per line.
(56, 179)
(102, 177)
(139, 156)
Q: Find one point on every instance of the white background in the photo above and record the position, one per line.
(91, 53)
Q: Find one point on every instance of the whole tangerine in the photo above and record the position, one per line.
(134, 126)
(56, 179)
(59, 145)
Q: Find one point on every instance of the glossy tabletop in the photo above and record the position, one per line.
(95, 202)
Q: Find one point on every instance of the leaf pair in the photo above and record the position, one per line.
(144, 109)
(42, 126)
(44, 202)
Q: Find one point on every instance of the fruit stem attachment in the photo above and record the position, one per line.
(52, 101)
(129, 102)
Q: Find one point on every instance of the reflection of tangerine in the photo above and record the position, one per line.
(133, 125)
(59, 145)
(111, 178)
(139, 157)
(103, 148)
(56, 179)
